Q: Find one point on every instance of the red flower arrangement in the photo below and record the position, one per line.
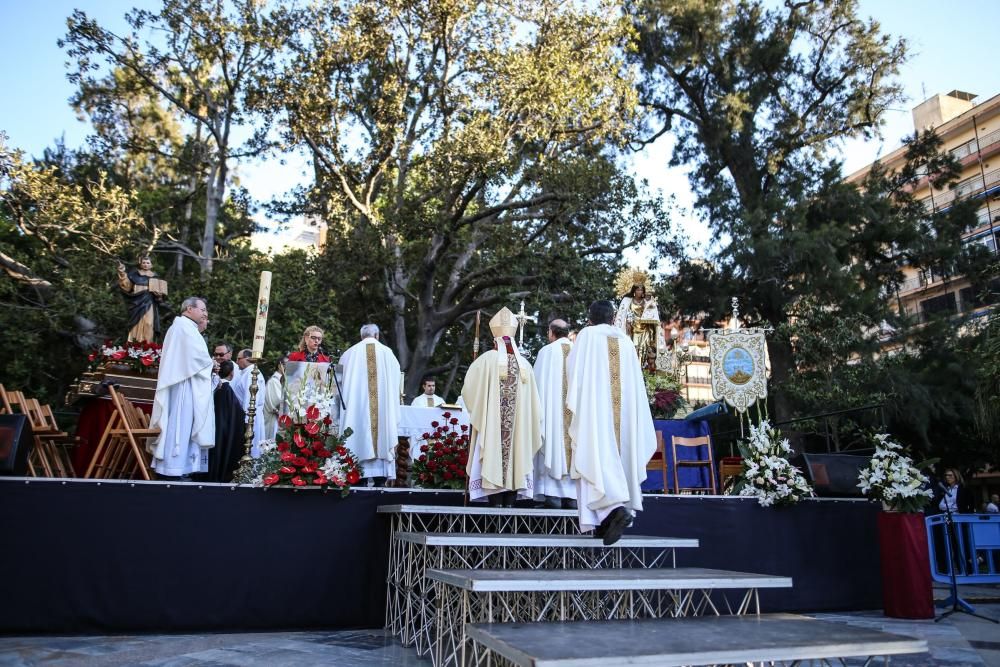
(444, 455)
(307, 454)
(137, 355)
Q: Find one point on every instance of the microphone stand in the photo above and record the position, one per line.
(957, 604)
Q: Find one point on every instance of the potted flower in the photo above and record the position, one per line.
(307, 452)
(443, 456)
(767, 475)
(663, 390)
(893, 479)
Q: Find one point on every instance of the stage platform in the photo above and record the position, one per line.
(110, 556)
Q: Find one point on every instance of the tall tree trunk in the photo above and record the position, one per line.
(782, 366)
(213, 204)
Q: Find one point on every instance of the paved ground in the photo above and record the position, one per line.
(957, 640)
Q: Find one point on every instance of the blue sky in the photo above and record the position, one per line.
(950, 49)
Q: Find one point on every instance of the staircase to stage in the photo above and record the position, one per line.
(460, 577)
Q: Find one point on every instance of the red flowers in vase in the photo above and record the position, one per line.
(310, 454)
(444, 455)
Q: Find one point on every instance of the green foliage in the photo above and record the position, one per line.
(465, 159)
(195, 65)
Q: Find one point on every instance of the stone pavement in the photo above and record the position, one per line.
(959, 640)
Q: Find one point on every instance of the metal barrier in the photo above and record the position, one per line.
(975, 548)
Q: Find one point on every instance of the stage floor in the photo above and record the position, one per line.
(957, 641)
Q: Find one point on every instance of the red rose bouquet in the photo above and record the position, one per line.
(444, 455)
(307, 453)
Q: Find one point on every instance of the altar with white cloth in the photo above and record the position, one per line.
(414, 422)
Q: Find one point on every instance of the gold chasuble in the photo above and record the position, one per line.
(505, 413)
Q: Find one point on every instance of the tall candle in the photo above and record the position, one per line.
(260, 326)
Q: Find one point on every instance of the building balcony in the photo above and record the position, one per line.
(974, 146)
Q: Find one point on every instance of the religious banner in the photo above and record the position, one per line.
(738, 370)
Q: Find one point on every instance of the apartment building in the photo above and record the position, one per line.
(970, 131)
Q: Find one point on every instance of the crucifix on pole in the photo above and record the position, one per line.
(523, 317)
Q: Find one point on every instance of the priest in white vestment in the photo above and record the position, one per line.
(427, 397)
(241, 387)
(611, 428)
(273, 398)
(371, 396)
(553, 485)
(183, 408)
(505, 413)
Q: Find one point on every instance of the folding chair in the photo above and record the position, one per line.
(707, 462)
(730, 468)
(119, 454)
(5, 406)
(659, 459)
(50, 442)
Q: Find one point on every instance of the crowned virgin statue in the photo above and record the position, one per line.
(638, 315)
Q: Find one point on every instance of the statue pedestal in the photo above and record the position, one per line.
(136, 385)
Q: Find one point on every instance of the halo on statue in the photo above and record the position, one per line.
(628, 278)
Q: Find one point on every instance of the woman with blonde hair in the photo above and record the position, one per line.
(310, 347)
(952, 495)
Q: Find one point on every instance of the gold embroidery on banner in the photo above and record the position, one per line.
(614, 367)
(372, 395)
(508, 403)
(567, 413)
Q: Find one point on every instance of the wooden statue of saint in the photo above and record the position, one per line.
(143, 292)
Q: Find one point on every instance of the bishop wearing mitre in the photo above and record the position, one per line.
(506, 417)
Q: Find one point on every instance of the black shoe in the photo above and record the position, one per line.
(495, 499)
(552, 503)
(617, 522)
(569, 504)
(509, 498)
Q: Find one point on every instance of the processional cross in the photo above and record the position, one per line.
(521, 318)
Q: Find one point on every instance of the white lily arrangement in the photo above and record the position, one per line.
(767, 475)
(893, 478)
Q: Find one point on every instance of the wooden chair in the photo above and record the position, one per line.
(51, 444)
(730, 468)
(659, 460)
(705, 461)
(119, 454)
(5, 406)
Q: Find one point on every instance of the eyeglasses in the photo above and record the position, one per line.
(318, 339)
(219, 354)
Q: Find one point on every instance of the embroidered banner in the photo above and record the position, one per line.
(739, 374)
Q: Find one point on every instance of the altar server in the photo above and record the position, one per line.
(371, 396)
(505, 412)
(611, 425)
(553, 484)
(183, 409)
(427, 397)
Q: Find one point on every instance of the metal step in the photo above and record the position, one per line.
(703, 640)
(681, 578)
(541, 541)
